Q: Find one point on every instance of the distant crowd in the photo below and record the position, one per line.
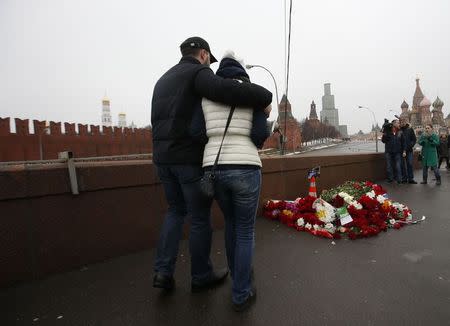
(399, 139)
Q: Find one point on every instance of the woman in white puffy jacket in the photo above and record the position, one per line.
(237, 181)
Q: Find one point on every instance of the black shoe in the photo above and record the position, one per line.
(247, 303)
(438, 182)
(423, 182)
(413, 182)
(163, 282)
(216, 278)
(404, 181)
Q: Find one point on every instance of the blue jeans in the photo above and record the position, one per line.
(435, 169)
(407, 167)
(237, 192)
(182, 190)
(393, 166)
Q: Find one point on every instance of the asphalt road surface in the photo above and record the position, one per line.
(351, 147)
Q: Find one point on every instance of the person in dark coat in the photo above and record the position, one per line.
(429, 142)
(443, 150)
(392, 140)
(408, 141)
(179, 138)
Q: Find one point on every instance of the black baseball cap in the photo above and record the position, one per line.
(197, 43)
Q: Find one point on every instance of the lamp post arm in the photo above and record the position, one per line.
(271, 75)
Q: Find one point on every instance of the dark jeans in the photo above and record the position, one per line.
(407, 167)
(435, 169)
(181, 187)
(442, 159)
(393, 163)
(237, 192)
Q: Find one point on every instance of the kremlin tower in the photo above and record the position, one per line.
(106, 112)
(122, 121)
(313, 112)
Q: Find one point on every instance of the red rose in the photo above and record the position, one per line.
(338, 201)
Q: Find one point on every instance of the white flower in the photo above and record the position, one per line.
(342, 229)
(381, 199)
(409, 217)
(371, 194)
(397, 206)
(356, 204)
(345, 196)
(316, 227)
(330, 227)
(300, 221)
(308, 226)
(392, 221)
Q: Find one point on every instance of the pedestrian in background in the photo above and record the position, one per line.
(429, 142)
(392, 140)
(408, 141)
(443, 150)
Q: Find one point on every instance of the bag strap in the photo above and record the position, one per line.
(224, 133)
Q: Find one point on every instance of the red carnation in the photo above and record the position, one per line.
(338, 201)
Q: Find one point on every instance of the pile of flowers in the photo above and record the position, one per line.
(354, 209)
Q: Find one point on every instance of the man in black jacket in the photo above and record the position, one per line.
(179, 137)
(392, 140)
(408, 141)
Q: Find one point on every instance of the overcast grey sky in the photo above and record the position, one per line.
(57, 57)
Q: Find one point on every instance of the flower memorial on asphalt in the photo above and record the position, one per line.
(354, 209)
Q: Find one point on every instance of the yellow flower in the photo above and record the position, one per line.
(386, 204)
(321, 214)
(287, 212)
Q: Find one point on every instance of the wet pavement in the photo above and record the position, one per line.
(401, 277)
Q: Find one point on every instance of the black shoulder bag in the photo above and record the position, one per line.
(208, 180)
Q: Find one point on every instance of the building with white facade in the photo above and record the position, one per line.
(122, 121)
(106, 112)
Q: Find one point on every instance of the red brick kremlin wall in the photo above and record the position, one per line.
(291, 130)
(92, 140)
(87, 142)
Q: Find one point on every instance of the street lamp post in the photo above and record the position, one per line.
(271, 75)
(375, 125)
(282, 139)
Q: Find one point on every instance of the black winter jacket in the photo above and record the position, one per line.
(392, 143)
(178, 129)
(408, 138)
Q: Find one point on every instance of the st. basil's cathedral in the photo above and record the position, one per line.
(420, 114)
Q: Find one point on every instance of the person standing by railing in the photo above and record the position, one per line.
(443, 150)
(408, 141)
(393, 150)
(179, 137)
(237, 178)
(429, 142)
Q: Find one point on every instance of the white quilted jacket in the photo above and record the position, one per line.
(237, 147)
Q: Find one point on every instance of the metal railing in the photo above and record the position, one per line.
(82, 159)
